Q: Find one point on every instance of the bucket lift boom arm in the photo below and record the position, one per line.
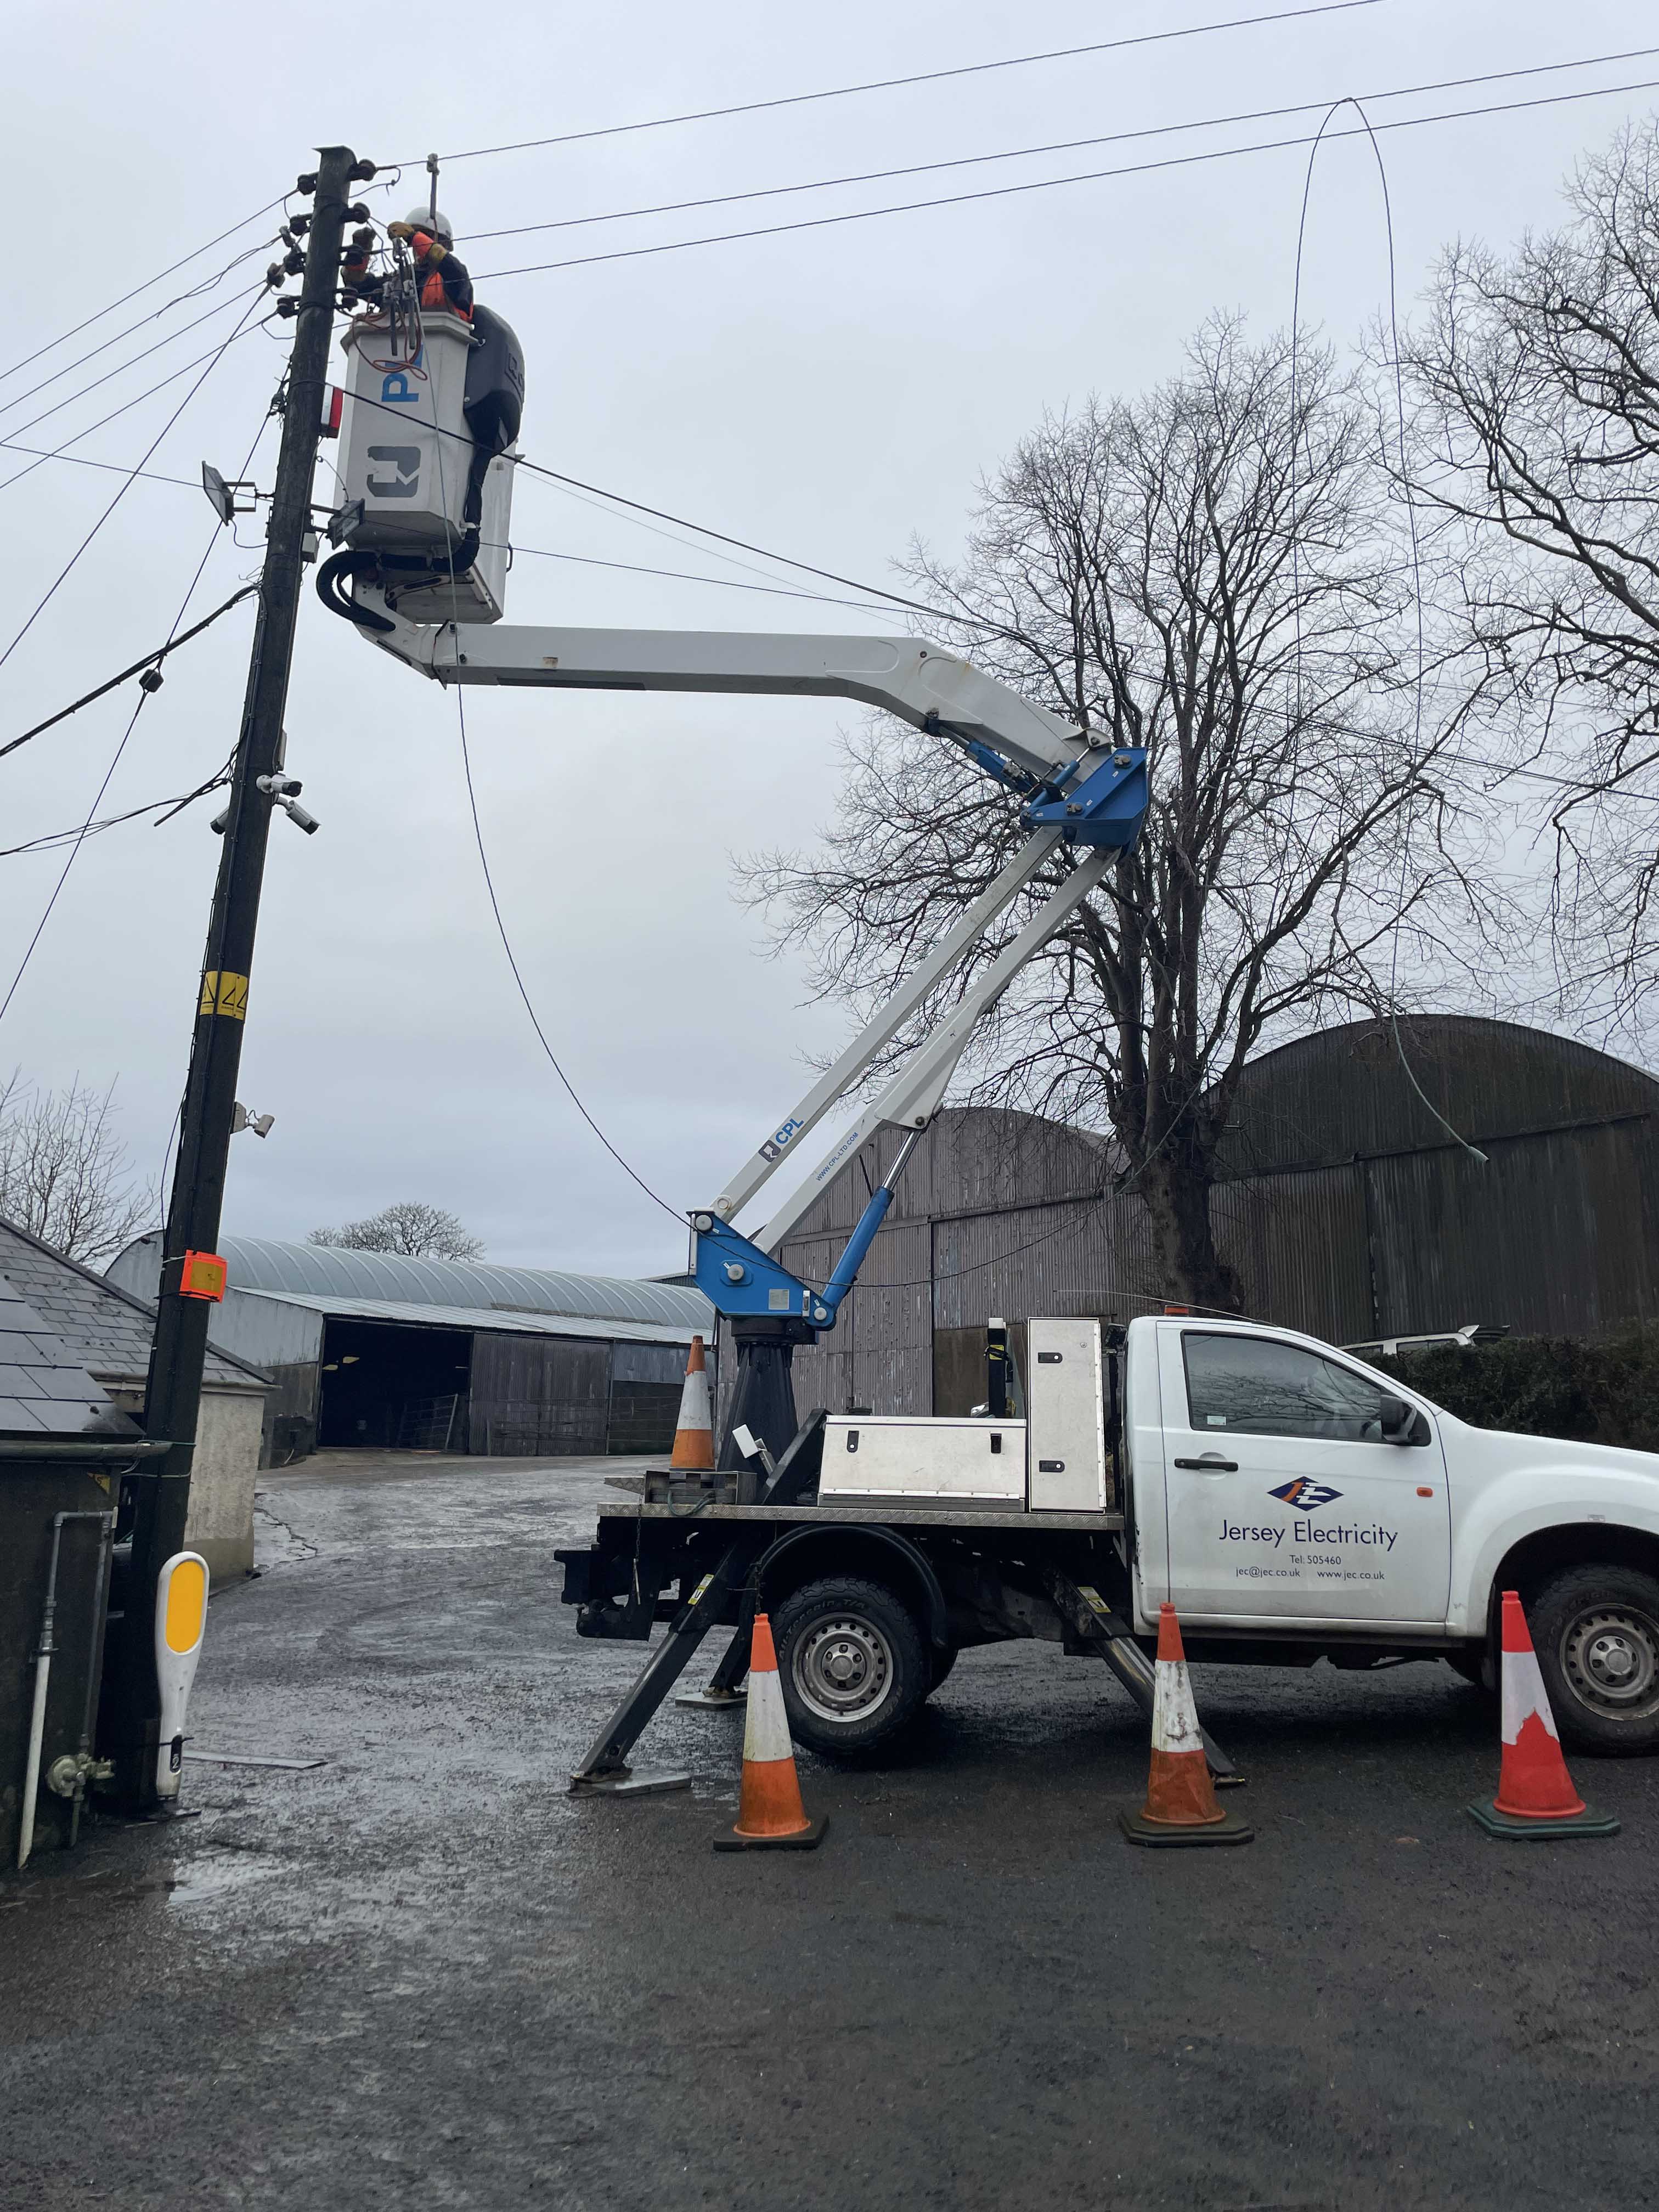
(1080, 802)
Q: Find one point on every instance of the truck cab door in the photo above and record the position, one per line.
(1282, 1499)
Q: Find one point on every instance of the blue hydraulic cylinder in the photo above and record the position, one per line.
(863, 1236)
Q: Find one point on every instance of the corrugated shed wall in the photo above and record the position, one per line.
(1343, 1205)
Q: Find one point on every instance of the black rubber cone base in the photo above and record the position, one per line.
(808, 1840)
(1230, 1829)
(1589, 1822)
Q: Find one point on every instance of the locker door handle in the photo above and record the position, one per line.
(1211, 1463)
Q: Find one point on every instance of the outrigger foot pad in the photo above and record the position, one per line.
(713, 1700)
(623, 1782)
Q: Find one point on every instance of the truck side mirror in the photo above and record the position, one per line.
(1397, 1421)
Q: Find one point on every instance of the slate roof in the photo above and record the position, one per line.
(44, 1389)
(109, 1329)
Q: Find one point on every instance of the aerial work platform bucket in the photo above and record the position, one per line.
(419, 386)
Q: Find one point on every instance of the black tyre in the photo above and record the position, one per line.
(853, 1661)
(1596, 1631)
(941, 1663)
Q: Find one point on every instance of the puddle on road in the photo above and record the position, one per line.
(188, 1883)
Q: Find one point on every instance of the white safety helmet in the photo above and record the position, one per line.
(423, 218)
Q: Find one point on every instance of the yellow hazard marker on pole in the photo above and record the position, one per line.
(181, 1603)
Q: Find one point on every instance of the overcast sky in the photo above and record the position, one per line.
(826, 393)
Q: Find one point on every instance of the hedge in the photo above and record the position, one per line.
(1603, 1392)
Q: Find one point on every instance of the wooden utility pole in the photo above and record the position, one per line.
(173, 1397)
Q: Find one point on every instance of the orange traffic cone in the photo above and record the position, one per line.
(1536, 1796)
(770, 1815)
(694, 1437)
(1180, 1806)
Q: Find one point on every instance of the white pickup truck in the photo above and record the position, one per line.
(1292, 1502)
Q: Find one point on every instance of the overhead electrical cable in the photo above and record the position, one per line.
(216, 781)
(897, 83)
(69, 369)
(686, 576)
(126, 485)
(143, 699)
(132, 360)
(161, 275)
(500, 926)
(1056, 146)
(61, 452)
(1473, 1150)
(152, 660)
(1052, 184)
(540, 469)
(80, 461)
(512, 961)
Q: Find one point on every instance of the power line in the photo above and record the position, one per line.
(537, 468)
(160, 276)
(126, 486)
(131, 362)
(1057, 146)
(875, 591)
(80, 460)
(149, 660)
(686, 576)
(1050, 184)
(143, 701)
(511, 962)
(62, 452)
(92, 352)
(54, 837)
(925, 76)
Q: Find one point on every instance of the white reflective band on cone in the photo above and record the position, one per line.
(766, 1724)
(1175, 1717)
(1524, 1694)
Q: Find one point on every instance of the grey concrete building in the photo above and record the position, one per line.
(375, 1350)
(107, 1330)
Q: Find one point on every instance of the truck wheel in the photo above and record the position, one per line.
(1596, 1631)
(852, 1662)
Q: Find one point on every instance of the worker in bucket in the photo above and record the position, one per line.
(441, 281)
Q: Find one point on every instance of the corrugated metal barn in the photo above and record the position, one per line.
(1343, 1204)
(374, 1350)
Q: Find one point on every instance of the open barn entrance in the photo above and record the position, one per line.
(387, 1387)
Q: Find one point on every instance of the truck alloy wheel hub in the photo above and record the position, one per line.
(843, 1668)
(1612, 1660)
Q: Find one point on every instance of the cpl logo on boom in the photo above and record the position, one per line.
(780, 1137)
(1307, 1497)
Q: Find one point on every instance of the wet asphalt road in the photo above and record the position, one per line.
(420, 1976)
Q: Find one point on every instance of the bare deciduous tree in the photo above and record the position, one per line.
(65, 1176)
(1534, 382)
(410, 1227)
(1133, 566)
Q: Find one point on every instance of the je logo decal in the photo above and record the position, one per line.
(1305, 1495)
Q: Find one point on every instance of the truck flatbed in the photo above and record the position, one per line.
(933, 1517)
